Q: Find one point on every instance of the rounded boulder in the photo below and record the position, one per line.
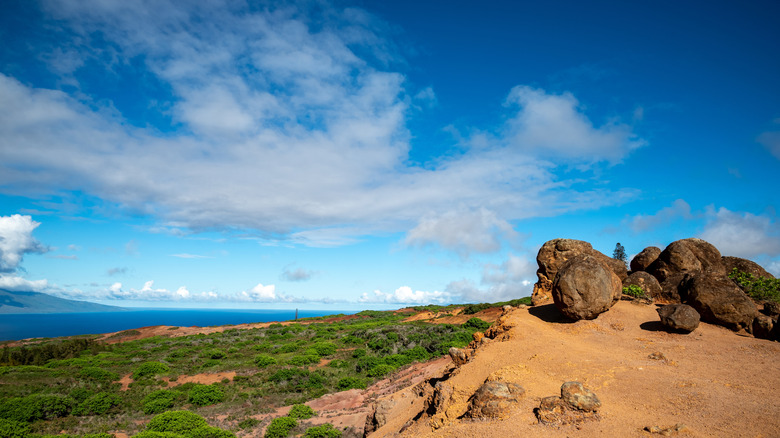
(641, 261)
(585, 287)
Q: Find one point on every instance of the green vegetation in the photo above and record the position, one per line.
(323, 431)
(471, 309)
(280, 427)
(620, 254)
(302, 412)
(758, 288)
(73, 385)
(635, 291)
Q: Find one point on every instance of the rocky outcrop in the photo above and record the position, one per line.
(494, 400)
(682, 257)
(647, 282)
(641, 261)
(719, 301)
(679, 317)
(585, 287)
(744, 265)
(551, 257)
(575, 405)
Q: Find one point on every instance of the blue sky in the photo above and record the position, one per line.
(350, 155)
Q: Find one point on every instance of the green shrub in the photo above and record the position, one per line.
(325, 348)
(14, 429)
(176, 421)
(380, 370)
(158, 402)
(280, 427)
(153, 434)
(263, 360)
(633, 290)
(205, 395)
(301, 412)
(36, 407)
(350, 383)
(214, 354)
(208, 432)
(297, 379)
(358, 353)
(323, 431)
(97, 404)
(304, 359)
(476, 324)
(150, 369)
(98, 374)
(758, 288)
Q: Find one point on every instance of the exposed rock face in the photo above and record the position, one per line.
(460, 356)
(686, 256)
(641, 261)
(719, 301)
(745, 265)
(585, 287)
(551, 257)
(494, 400)
(378, 417)
(579, 397)
(680, 317)
(647, 282)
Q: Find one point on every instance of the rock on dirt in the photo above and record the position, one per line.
(585, 287)
(494, 400)
(720, 301)
(679, 317)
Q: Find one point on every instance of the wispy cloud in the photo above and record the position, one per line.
(463, 231)
(405, 295)
(191, 256)
(678, 210)
(116, 271)
(297, 274)
(742, 234)
(290, 123)
(511, 279)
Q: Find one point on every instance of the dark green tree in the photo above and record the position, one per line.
(620, 253)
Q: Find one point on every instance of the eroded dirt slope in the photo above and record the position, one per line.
(716, 383)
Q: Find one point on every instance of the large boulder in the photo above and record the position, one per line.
(554, 253)
(641, 261)
(585, 287)
(647, 282)
(719, 301)
(686, 256)
(679, 317)
(745, 265)
(495, 400)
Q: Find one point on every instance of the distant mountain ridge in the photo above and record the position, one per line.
(36, 302)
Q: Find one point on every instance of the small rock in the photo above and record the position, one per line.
(657, 356)
(680, 317)
(762, 327)
(665, 431)
(459, 356)
(579, 397)
(494, 399)
(551, 410)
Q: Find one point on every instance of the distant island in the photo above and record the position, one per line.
(37, 302)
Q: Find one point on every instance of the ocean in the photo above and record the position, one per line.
(23, 326)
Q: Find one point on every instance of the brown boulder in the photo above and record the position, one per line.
(576, 405)
(686, 256)
(679, 317)
(762, 327)
(585, 287)
(551, 257)
(494, 399)
(719, 301)
(580, 397)
(744, 265)
(641, 261)
(647, 282)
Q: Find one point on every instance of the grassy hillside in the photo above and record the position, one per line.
(74, 385)
(36, 302)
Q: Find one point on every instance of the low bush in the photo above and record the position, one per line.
(304, 359)
(350, 383)
(380, 370)
(158, 401)
(323, 431)
(14, 429)
(476, 324)
(633, 290)
(325, 348)
(280, 427)
(205, 395)
(301, 412)
(249, 423)
(98, 374)
(97, 404)
(263, 360)
(758, 288)
(176, 422)
(150, 369)
(214, 354)
(36, 407)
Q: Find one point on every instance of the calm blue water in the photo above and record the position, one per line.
(22, 326)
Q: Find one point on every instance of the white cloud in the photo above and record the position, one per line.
(191, 256)
(678, 210)
(287, 122)
(553, 126)
(183, 292)
(14, 283)
(511, 280)
(16, 240)
(263, 294)
(405, 295)
(742, 234)
(479, 231)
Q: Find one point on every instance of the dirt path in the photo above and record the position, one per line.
(714, 382)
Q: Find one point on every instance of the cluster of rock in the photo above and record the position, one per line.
(690, 276)
(575, 405)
